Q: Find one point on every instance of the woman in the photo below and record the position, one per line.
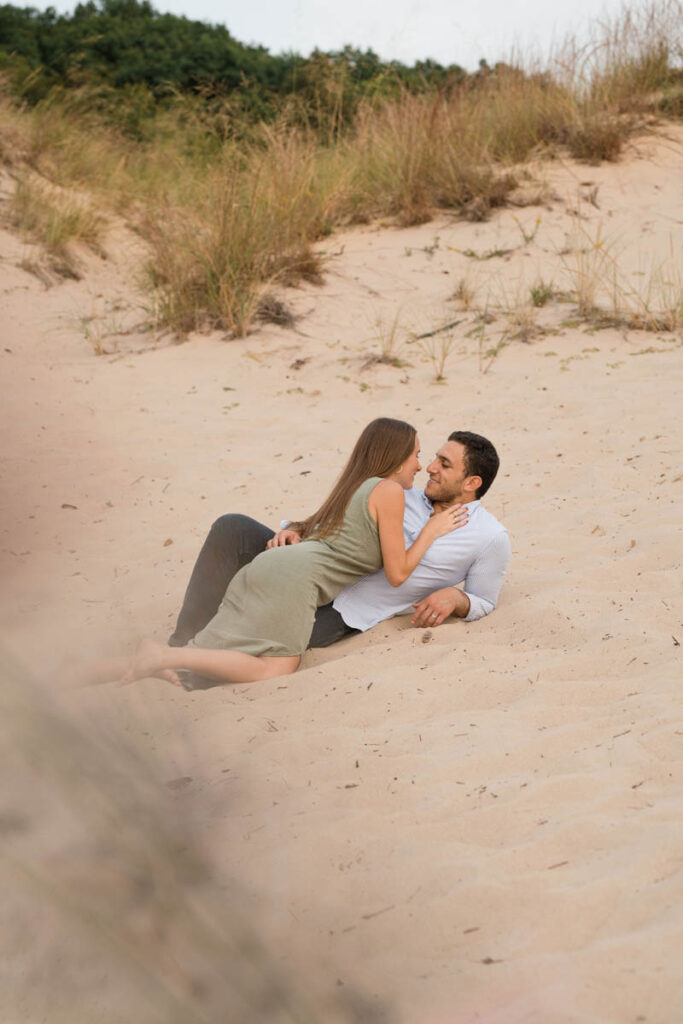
(264, 623)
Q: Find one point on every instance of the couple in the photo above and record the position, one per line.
(352, 552)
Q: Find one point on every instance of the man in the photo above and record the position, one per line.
(476, 555)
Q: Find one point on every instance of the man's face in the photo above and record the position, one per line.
(447, 475)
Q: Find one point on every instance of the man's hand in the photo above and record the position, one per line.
(282, 538)
(432, 610)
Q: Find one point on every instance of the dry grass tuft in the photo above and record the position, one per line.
(652, 300)
(272, 310)
(387, 337)
(465, 293)
(436, 346)
(246, 221)
(54, 220)
(523, 324)
(598, 136)
(589, 262)
(541, 293)
(14, 131)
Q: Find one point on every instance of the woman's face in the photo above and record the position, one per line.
(406, 473)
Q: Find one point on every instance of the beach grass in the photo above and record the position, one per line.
(229, 207)
(115, 907)
(54, 219)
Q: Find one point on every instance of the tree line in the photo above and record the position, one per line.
(126, 47)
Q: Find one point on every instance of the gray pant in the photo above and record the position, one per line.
(232, 542)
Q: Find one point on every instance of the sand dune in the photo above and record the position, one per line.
(484, 826)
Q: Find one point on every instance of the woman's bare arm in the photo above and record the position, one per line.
(386, 505)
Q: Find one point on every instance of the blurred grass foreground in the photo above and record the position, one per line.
(111, 910)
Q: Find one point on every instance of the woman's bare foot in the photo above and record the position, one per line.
(150, 659)
(171, 676)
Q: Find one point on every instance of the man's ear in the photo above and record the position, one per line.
(472, 483)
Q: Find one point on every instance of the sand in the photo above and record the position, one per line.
(484, 825)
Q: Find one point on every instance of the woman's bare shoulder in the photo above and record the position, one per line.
(386, 493)
(384, 486)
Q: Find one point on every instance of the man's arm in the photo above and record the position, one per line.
(479, 595)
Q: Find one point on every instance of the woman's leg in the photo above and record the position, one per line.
(152, 659)
(91, 671)
(233, 541)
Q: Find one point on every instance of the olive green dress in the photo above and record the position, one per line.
(270, 604)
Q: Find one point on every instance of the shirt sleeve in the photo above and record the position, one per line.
(485, 577)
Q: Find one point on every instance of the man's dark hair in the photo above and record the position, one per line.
(481, 458)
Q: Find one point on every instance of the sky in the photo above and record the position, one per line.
(449, 31)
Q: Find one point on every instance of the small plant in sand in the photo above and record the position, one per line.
(487, 356)
(519, 311)
(92, 331)
(487, 352)
(438, 350)
(489, 254)
(387, 337)
(464, 293)
(541, 293)
(523, 324)
(102, 330)
(528, 233)
(590, 265)
(431, 249)
(436, 346)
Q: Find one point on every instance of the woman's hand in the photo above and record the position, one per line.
(386, 505)
(282, 538)
(452, 518)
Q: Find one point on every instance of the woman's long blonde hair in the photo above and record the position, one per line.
(382, 447)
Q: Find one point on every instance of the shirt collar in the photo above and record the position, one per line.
(470, 505)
